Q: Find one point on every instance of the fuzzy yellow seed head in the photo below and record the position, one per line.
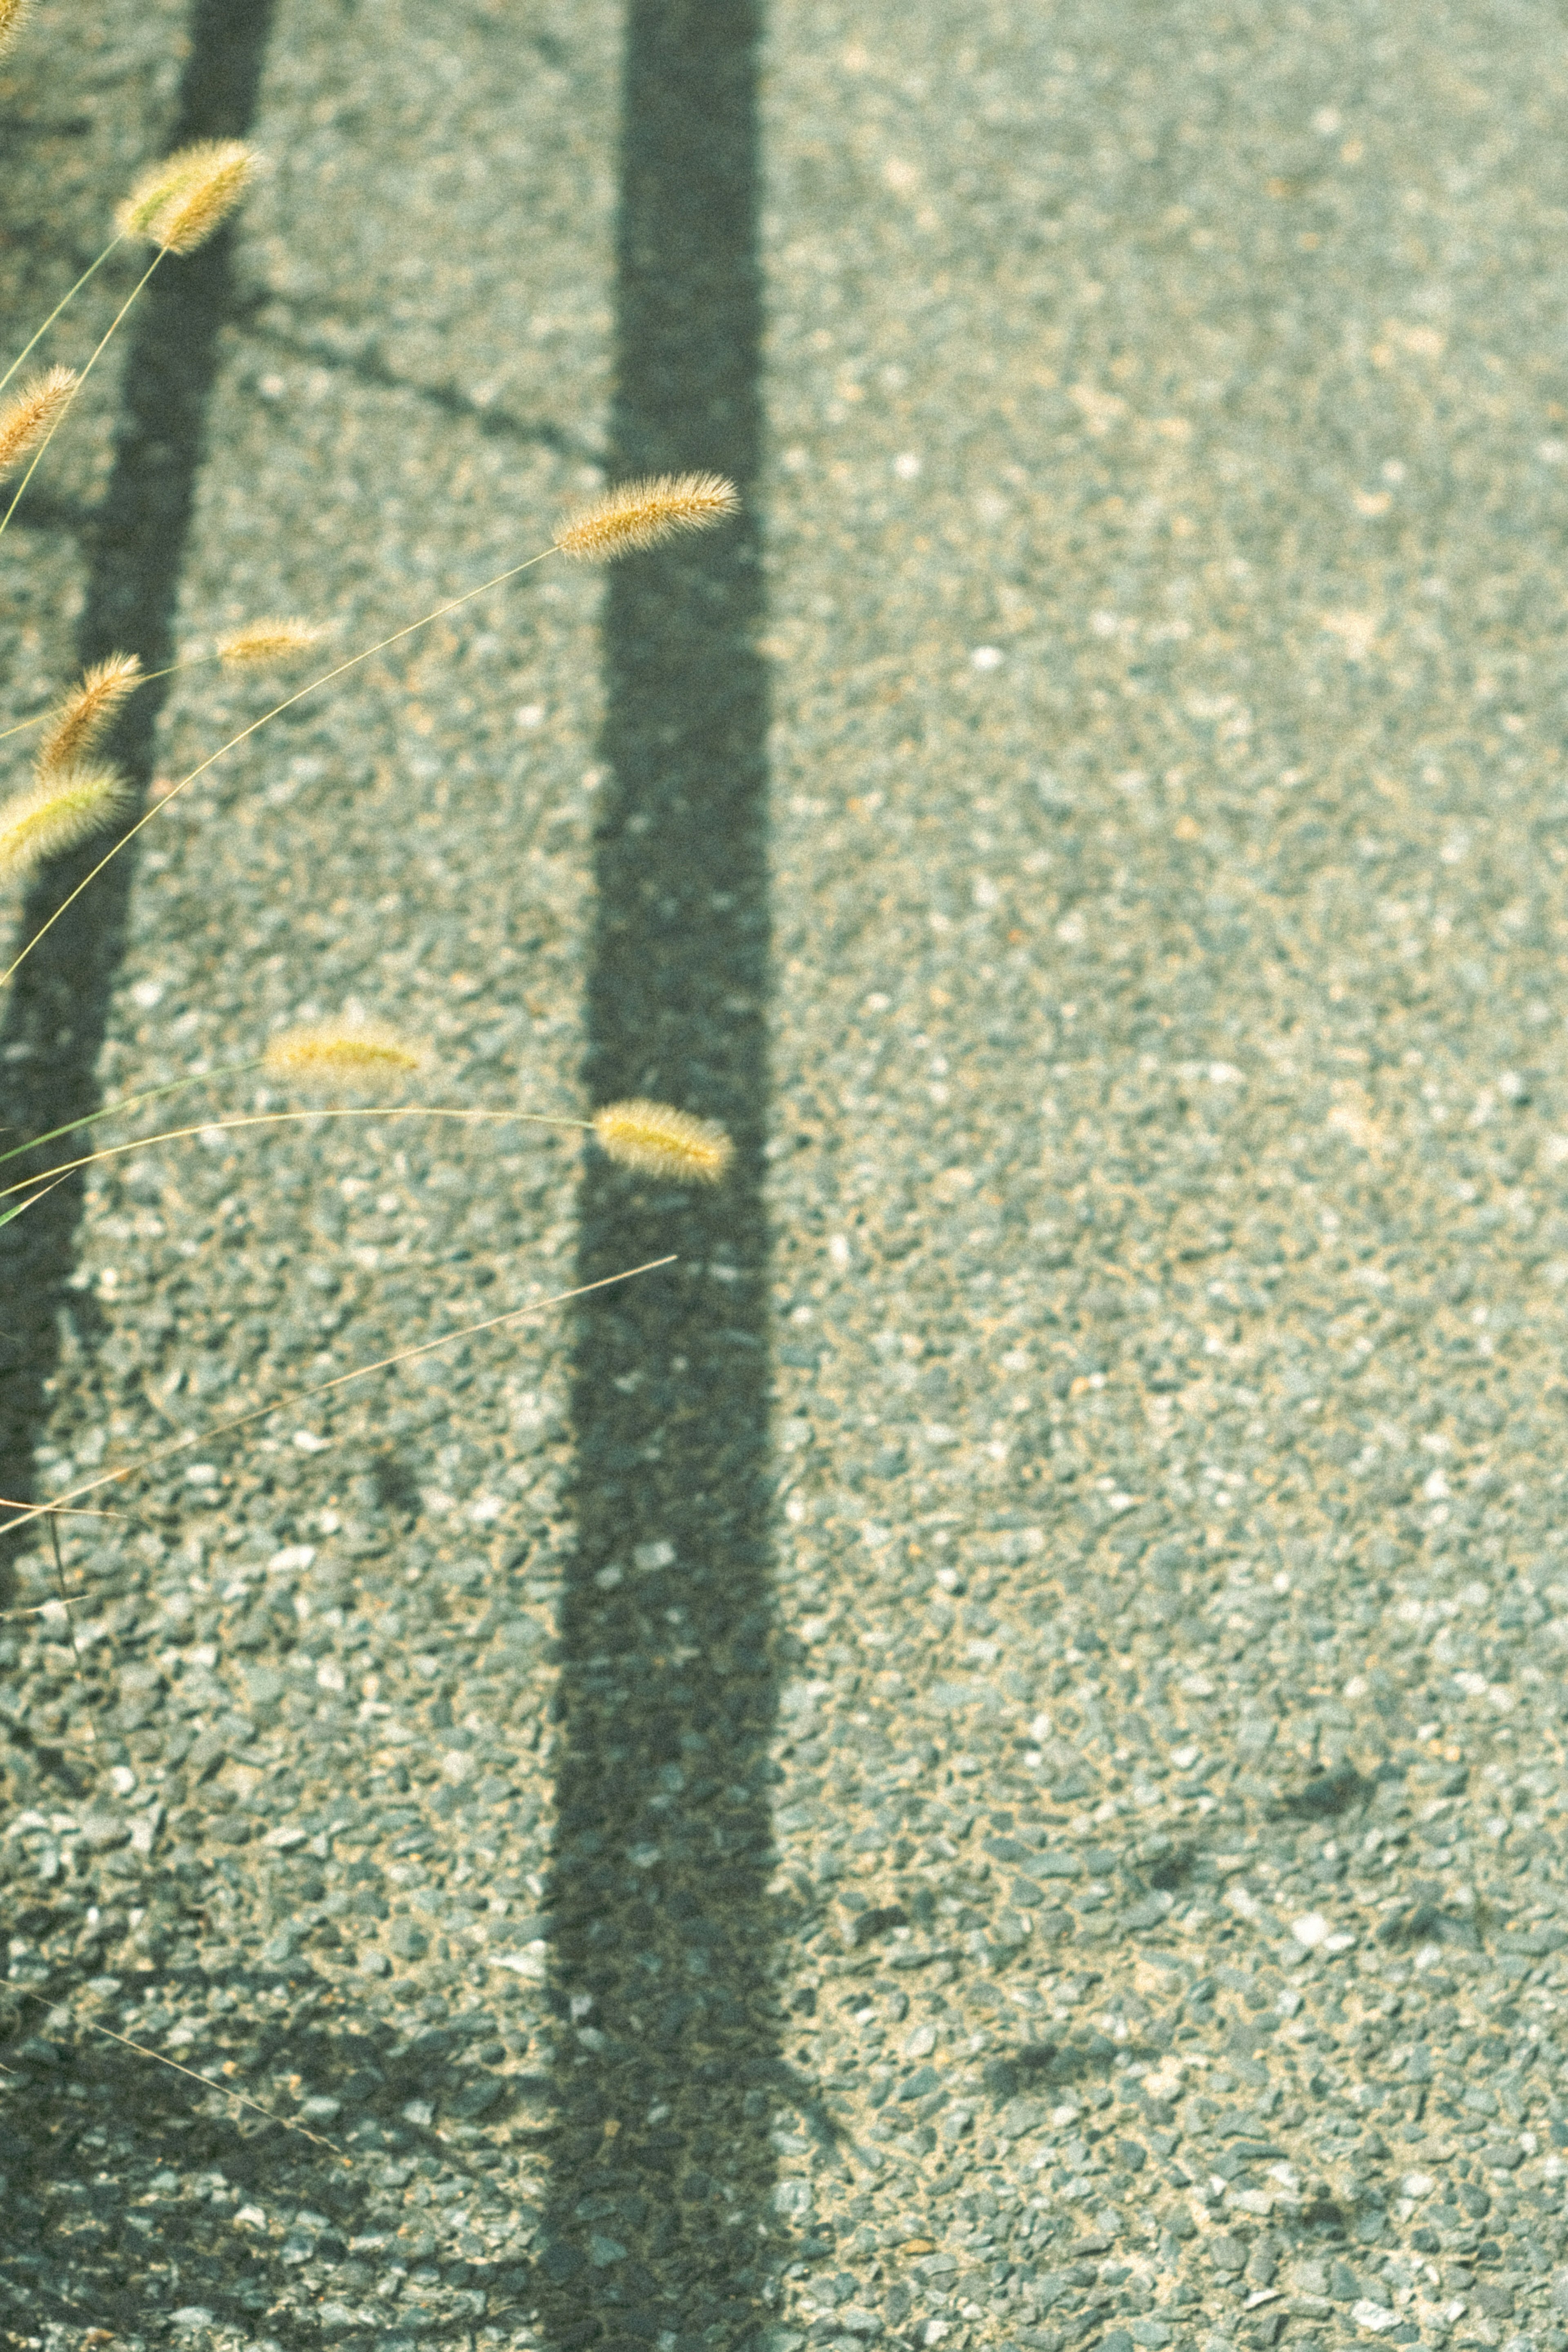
(181, 201)
(12, 12)
(268, 641)
(80, 716)
(657, 1141)
(640, 514)
(157, 188)
(32, 417)
(57, 813)
(338, 1056)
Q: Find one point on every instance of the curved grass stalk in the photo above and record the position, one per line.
(281, 1119)
(98, 354)
(226, 2090)
(315, 686)
(637, 517)
(146, 678)
(648, 1138)
(323, 1388)
(128, 1103)
(18, 1207)
(90, 271)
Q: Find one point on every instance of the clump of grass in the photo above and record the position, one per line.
(175, 206)
(187, 195)
(647, 511)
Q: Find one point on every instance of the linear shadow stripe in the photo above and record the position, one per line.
(53, 1022)
(667, 1696)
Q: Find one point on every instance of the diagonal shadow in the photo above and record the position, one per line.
(368, 364)
(53, 1021)
(668, 2050)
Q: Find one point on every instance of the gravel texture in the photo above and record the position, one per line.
(979, 1762)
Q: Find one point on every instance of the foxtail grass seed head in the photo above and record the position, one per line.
(180, 202)
(268, 641)
(58, 812)
(33, 415)
(337, 1057)
(655, 1140)
(12, 13)
(80, 717)
(641, 514)
(156, 188)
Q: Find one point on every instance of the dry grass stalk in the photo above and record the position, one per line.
(291, 1399)
(640, 514)
(686, 503)
(80, 716)
(268, 641)
(208, 1128)
(331, 1055)
(55, 813)
(655, 1140)
(176, 208)
(103, 2335)
(33, 415)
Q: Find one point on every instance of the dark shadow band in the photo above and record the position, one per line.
(667, 1695)
(56, 1013)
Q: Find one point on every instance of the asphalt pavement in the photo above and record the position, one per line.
(978, 1761)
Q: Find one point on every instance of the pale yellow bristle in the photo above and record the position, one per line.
(656, 1139)
(35, 411)
(639, 514)
(344, 1053)
(80, 717)
(159, 185)
(268, 641)
(180, 202)
(57, 813)
(12, 13)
